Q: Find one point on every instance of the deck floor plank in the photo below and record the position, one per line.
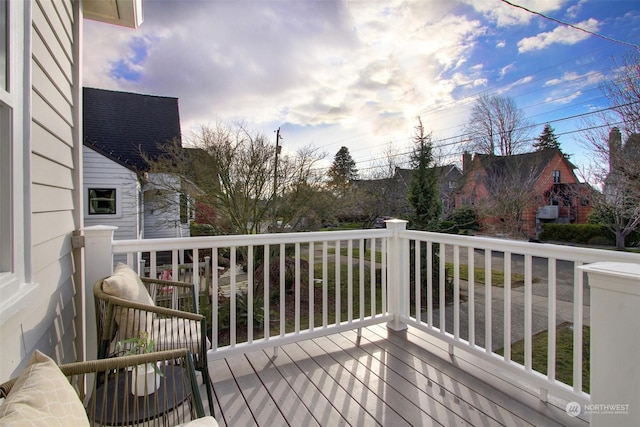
(412, 382)
(261, 404)
(335, 386)
(384, 378)
(451, 381)
(405, 399)
(289, 402)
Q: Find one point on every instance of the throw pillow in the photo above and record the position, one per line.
(42, 396)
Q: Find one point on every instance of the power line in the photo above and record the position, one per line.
(584, 30)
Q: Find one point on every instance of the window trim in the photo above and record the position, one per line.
(117, 188)
(16, 278)
(114, 199)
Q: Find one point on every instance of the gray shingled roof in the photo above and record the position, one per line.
(122, 125)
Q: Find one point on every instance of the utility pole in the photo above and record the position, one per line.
(275, 179)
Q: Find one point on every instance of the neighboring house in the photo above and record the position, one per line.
(515, 194)
(120, 129)
(623, 162)
(41, 270)
(449, 177)
(390, 194)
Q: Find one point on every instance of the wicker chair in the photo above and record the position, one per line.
(104, 388)
(171, 323)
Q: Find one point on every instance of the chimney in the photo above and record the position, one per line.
(466, 162)
(615, 147)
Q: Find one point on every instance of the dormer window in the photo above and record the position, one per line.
(556, 176)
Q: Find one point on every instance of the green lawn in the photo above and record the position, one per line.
(564, 354)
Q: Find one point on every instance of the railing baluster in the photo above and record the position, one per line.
(214, 298)
(233, 297)
(442, 292)
(528, 309)
(578, 310)
(429, 284)
(283, 276)
(551, 315)
(507, 307)
(418, 279)
(250, 270)
(312, 285)
(361, 277)
(153, 265)
(338, 284)
(265, 280)
(456, 291)
(384, 275)
(350, 280)
(297, 288)
(195, 277)
(372, 280)
(325, 284)
(487, 301)
(471, 288)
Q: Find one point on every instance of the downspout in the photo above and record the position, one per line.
(78, 212)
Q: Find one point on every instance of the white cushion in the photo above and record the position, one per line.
(42, 396)
(207, 421)
(176, 333)
(126, 284)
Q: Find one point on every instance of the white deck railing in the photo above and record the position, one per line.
(333, 284)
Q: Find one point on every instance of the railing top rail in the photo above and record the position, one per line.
(543, 250)
(203, 242)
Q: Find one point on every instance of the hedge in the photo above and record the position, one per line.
(588, 234)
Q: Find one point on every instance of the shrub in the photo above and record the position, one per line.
(578, 233)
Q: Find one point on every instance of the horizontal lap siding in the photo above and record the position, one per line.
(101, 172)
(50, 325)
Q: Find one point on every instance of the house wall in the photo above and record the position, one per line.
(48, 321)
(101, 172)
(475, 192)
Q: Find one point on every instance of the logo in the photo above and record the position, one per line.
(573, 409)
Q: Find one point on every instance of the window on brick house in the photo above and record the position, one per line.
(556, 176)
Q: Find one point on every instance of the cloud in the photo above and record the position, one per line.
(574, 10)
(571, 85)
(505, 15)
(561, 35)
(504, 70)
(501, 44)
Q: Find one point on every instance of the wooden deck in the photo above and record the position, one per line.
(388, 379)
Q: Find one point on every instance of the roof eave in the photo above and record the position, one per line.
(125, 13)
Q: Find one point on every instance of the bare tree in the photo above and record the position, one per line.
(510, 182)
(616, 152)
(497, 126)
(233, 171)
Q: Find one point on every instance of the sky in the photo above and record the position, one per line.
(359, 73)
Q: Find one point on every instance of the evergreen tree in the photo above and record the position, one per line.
(343, 170)
(547, 139)
(424, 189)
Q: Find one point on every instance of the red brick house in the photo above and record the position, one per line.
(514, 195)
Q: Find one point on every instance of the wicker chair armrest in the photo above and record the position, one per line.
(154, 309)
(168, 293)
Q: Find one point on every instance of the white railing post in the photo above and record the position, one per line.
(98, 263)
(397, 274)
(615, 343)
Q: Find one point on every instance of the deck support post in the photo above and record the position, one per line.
(615, 344)
(397, 274)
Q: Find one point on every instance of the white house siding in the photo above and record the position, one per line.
(162, 215)
(48, 322)
(101, 172)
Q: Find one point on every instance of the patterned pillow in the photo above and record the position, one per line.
(126, 284)
(42, 396)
